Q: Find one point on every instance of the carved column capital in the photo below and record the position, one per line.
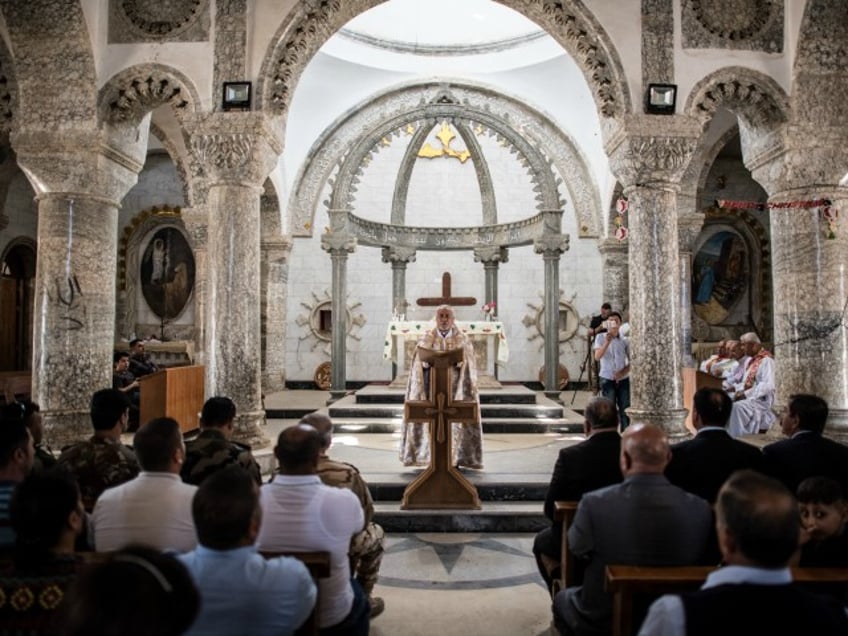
(337, 243)
(492, 255)
(688, 228)
(551, 246)
(640, 156)
(239, 148)
(399, 255)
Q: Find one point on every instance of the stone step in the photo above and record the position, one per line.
(508, 394)
(510, 516)
(520, 490)
(490, 426)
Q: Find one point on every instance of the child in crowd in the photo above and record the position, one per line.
(824, 517)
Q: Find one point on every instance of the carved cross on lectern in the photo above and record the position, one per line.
(441, 485)
(446, 298)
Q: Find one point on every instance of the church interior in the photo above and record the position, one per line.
(283, 192)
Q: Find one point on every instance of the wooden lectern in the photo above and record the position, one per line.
(441, 485)
(694, 379)
(175, 392)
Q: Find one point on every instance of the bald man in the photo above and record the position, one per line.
(366, 547)
(645, 520)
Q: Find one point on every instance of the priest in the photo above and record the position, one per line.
(467, 439)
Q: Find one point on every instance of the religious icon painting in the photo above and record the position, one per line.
(167, 272)
(720, 277)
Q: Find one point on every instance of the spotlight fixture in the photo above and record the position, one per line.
(661, 99)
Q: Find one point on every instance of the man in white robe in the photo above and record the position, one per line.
(467, 439)
(754, 395)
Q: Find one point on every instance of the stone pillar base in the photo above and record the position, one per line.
(250, 430)
(65, 427)
(672, 422)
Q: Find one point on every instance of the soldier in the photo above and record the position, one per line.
(140, 361)
(102, 461)
(213, 447)
(366, 548)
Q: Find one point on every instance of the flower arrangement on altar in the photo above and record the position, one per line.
(489, 310)
(621, 230)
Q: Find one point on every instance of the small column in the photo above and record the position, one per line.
(551, 246)
(238, 150)
(491, 257)
(398, 257)
(688, 228)
(650, 168)
(338, 242)
(196, 222)
(78, 197)
(616, 276)
(275, 277)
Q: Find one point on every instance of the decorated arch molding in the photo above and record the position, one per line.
(128, 96)
(756, 99)
(364, 126)
(8, 90)
(310, 24)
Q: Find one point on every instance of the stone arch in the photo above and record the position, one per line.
(758, 101)
(135, 91)
(62, 73)
(550, 143)
(309, 25)
(8, 91)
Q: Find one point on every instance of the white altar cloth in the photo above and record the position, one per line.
(413, 329)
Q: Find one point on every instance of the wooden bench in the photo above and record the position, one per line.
(14, 383)
(635, 587)
(318, 564)
(564, 512)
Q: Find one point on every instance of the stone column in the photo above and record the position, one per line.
(616, 277)
(551, 246)
(492, 257)
(338, 242)
(275, 278)
(196, 222)
(79, 188)
(650, 166)
(688, 228)
(238, 150)
(399, 257)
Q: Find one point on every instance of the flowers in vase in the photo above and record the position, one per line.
(489, 310)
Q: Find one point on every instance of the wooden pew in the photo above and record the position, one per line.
(564, 512)
(13, 383)
(318, 564)
(635, 587)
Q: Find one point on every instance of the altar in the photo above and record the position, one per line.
(487, 337)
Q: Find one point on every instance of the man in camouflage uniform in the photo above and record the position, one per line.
(102, 461)
(213, 448)
(366, 548)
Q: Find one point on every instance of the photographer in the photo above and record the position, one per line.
(613, 353)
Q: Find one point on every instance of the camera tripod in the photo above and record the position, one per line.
(588, 363)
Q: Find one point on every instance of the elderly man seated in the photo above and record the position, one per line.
(753, 396)
(721, 363)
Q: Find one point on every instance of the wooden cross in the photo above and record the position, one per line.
(446, 298)
(441, 485)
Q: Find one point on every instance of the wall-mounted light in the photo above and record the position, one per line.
(661, 99)
(236, 96)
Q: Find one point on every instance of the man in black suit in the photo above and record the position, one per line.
(702, 464)
(807, 452)
(589, 465)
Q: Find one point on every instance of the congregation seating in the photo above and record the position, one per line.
(570, 574)
(318, 564)
(635, 587)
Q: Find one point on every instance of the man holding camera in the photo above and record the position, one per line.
(613, 353)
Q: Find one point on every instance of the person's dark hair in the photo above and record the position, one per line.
(322, 423)
(134, 342)
(156, 442)
(811, 410)
(39, 511)
(819, 490)
(713, 405)
(14, 434)
(137, 591)
(223, 507)
(601, 412)
(297, 446)
(118, 355)
(606, 306)
(217, 411)
(762, 515)
(616, 314)
(107, 407)
(20, 410)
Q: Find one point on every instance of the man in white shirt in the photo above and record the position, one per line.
(613, 352)
(155, 507)
(302, 514)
